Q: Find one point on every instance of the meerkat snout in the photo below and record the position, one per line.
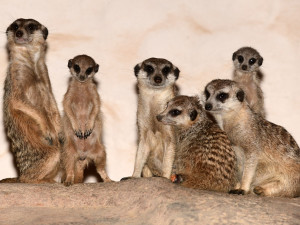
(208, 106)
(159, 117)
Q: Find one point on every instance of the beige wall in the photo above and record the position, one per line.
(197, 36)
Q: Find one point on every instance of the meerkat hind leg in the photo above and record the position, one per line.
(100, 163)
(44, 172)
(147, 172)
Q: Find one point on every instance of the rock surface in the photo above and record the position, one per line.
(138, 201)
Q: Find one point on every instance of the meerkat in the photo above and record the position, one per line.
(271, 163)
(246, 62)
(31, 117)
(156, 144)
(82, 122)
(204, 158)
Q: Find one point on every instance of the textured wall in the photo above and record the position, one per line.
(197, 36)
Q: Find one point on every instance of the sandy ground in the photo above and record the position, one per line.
(138, 201)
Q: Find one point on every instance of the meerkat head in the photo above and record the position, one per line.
(156, 73)
(182, 111)
(83, 67)
(26, 31)
(247, 59)
(223, 96)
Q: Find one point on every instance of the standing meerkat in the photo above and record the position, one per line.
(156, 86)
(31, 117)
(246, 62)
(82, 123)
(204, 158)
(271, 155)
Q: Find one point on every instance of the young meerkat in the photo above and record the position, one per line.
(246, 62)
(271, 155)
(204, 158)
(156, 85)
(31, 117)
(82, 123)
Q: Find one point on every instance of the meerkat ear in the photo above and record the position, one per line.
(260, 61)
(70, 63)
(193, 115)
(176, 72)
(45, 32)
(137, 69)
(96, 68)
(233, 56)
(240, 95)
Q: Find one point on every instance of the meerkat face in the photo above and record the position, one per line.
(25, 31)
(247, 59)
(83, 68)
(156, 73)
(223, 96)
(181, 111)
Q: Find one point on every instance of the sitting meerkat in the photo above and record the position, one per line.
(204, 158)
(31, 118)
(156, 85)
(246, 62)
(271, 155)
(82, 123)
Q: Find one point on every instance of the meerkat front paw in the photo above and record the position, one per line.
(49, 140)
(87, 133)
(237, 192)
(79, 134)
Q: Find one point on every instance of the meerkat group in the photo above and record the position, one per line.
(223, 144)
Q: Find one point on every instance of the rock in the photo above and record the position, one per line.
(138, 201)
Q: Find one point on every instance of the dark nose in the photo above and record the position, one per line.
(159, 117)
(208, 106)
(244, 67)
(81, 78)
(157, 79)
(19, 33)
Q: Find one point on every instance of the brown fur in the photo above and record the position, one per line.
(156, 84)
(31, 117)
(82, 123)
(271, 162)
(248, 77)
(204, 158)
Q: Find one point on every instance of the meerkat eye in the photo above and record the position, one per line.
(149, 69)
(31, 27)
(222, 96)
(166, 70)
(207, 94)
(89, 71)
(252, 61)
(175, 112)
(76, 68)
(14, 27)
(240, 59)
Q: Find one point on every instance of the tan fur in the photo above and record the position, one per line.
(248, 76)
(31, 117)
(82, 123)
(204, 158)
(271, 162)
(156, 86)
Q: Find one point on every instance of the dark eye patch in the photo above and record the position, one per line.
(207, 94)
(32, 27)
(166, 70)
(149, 69)
(252, 61)
(14, 26)
(89, 71)
(174, 112)
(240, 59)
(76, 68)
(222, 96)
